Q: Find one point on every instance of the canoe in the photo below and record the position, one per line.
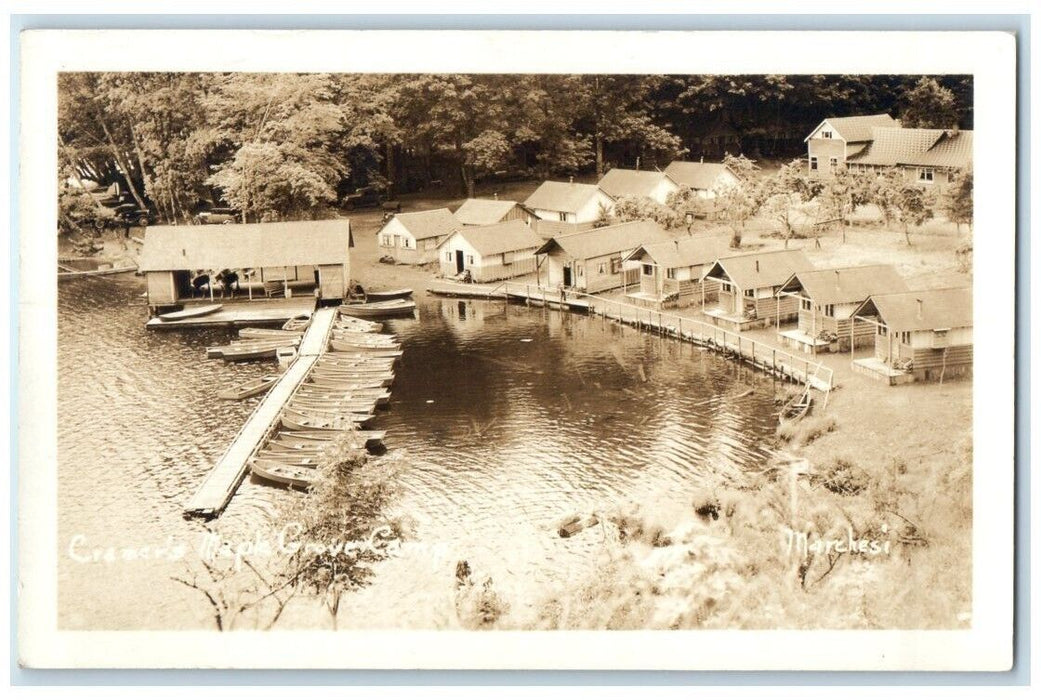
(268, 333)
(298, 477)
(388, 294)
(250, 388)
(191, 312)
(294, 420)
(379, 309)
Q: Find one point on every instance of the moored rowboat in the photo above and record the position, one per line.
(250, 388)
(191, 312)
(386, 295)
(296, 420)
(379, 309)
(298, 477)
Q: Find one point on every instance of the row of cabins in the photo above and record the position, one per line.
(869, 143)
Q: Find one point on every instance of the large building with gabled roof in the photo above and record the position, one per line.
(836, 140)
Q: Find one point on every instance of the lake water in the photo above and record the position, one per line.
(508, 418)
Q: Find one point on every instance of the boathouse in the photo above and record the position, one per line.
(671, 271)
(652, 184)
(748, 286)
(277, 258)
(490, 253)
(591, 261)
(413, 238)
(569, 202)
(485, 212)
(919, 336)
(706, 180)
(827, 300)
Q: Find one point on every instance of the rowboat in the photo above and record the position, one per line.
(388, 294)
(351, 334)
(250, 388)
(334, 355)
(379, 396)
(352, 381)
(294, 460)
(298, 477)
(297, 323)
(268, 333)
(285, 356)
(338, 359)
(288, 441)
(350, 323)
(245, 350)
(295, 420)
(379, 309)
(371, 437)
(357, 371)
(361, 408)
(796, 408)
(191, 312)
(248, 353)
(65, 272)
(358, 345)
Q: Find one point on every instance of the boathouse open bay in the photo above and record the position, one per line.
(505, 418)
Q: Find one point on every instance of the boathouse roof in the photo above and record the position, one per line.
(698, 176)
(507, 237)
(484, 212)
(597, 242)
(683, 252)
(432, 223)
(842, 285)
(561, 196)
(237, 246)
(930, 309)
(619, 182)
(758, 270)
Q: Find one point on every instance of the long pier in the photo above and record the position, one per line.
(223, 481)
(760, 355)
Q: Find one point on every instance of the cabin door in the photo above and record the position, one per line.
(567, 276)
(459, 261)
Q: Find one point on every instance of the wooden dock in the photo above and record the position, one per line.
(524, 293)
(242, 313)
(221, 483)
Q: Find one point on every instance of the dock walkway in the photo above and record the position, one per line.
(220, 484)
(240, 312)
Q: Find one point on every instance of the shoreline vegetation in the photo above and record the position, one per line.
(887, 465)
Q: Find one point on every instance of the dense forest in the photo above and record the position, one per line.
(292, 145)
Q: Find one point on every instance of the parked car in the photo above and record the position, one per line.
(218, 215)
(131, 215)
(368, 196)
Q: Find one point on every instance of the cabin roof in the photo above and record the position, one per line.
(237, 246)
(929, 309)
(598, 242)
(758, 270)
(548, 228)
(842, 285)
(857, 128)
(683, 252)
(432, 223)
(619, 182)
(561, 196)
(482, 212)
(917, 147)
(699, 176)
(505, 237)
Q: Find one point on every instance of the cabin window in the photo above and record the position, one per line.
(813, 162)
(905, 337)
(387, 241)
(448, 256)
(408, 243)
(806, 304)
(578, 270)
(829, 310)
(834, 162)
(601, 269)
(648, 270)
(671, 273)
(750, 293)
(562, 216)
(616, 265)
(881, 329)
(469, 260)
(825, 134)
(726, 287)
(925, 174)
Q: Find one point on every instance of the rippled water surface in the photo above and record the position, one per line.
(508, 419)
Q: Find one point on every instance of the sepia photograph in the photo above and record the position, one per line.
(530, 350)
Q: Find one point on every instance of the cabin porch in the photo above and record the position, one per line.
(738, 323)
(878, 370)
(803, 342)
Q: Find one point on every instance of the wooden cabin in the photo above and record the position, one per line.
(287, 255)
(705, 180)
(671, 271)
(591, 261)
(413, 238)
(569, 202)
(827, 300)
(652, 184)
(485, 212)
(919, 336)
(490, 253)
(838, 139)
(748, 285)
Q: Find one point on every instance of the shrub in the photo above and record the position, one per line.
(843, 477)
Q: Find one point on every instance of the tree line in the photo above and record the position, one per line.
(278, 146)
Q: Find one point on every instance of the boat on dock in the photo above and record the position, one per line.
(388, 294)
(250, 388)
(281, 473)
(379, 309)
(191, 312)
(296, 420)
